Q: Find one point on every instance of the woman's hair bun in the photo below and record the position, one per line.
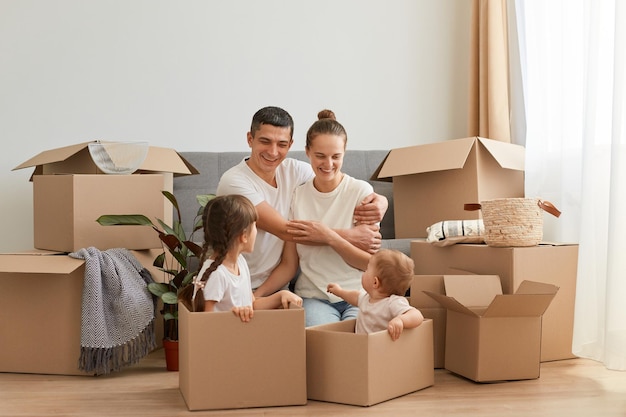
(326, 114)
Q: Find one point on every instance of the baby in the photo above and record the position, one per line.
(383, 304)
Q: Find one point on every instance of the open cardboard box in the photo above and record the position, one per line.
(431, 309)
(492, 336)
(41, 319)
(224, 363)
(551, 263)
(366, 369)
(70, 193)
(470, 170)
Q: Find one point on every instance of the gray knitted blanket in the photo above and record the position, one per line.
(118, 311)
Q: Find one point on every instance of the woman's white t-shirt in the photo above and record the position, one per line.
(321, 265)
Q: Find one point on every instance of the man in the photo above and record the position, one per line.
(268, 178)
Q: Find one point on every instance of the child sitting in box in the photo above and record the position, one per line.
(223, 283)
(382, 304)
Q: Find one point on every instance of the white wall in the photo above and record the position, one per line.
(190, 74)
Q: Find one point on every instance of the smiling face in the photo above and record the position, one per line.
(269, 147)
(326, 155)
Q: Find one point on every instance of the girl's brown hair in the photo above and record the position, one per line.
(394, 270)
(225, 218)
(326, 124)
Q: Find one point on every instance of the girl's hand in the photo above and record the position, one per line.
(287, 297)
(244, 313)
(333, 288)
(395, 328)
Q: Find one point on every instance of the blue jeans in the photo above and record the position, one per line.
(318, 311)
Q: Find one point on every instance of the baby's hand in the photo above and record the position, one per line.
(244, 313)
(395, 328)
(287, 297)
(333, 288)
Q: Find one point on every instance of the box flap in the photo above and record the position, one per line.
(519, 305)
(533, 287)
(473, 291)
(37, 264)
(53, 155)
(440, 156)
(167, 160)
(451, 304)
(508, 155)
(158, 160)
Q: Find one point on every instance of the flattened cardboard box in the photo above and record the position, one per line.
(70, 193)
(224, 363)
(470, 170)
(40, 326)
(551, 263)
(492, 336)
(366, 369)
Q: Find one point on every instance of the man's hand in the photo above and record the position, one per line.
(366, 237)
(371, 210)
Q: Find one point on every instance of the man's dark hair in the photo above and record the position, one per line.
(274, 116)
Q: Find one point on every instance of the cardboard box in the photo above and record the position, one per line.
(366, 369)
(549, 262)
(66, 208)
(70, 193)
(225, 363)
(491, 336)
(432, 182)
(41, 322)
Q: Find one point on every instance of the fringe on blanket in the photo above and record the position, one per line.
(102, 361)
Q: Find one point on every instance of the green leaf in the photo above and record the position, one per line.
(203, 199)
(124, 220)
(158, 288)
(169, 298)
(169, 316)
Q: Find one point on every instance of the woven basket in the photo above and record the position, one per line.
(513, 222)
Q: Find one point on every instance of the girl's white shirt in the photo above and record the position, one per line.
(227, 289)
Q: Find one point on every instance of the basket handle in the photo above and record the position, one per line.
(549, 207)
(471, 206)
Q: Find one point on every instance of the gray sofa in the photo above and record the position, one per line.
(358, 164)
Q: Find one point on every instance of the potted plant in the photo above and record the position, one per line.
(176, 261)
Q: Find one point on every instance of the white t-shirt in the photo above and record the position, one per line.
(321, 264)
(240, 179)
(374, 317)
(228, 289)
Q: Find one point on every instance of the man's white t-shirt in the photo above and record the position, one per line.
(374, 317)
(321, 265)
(240, 179)
(228, 289)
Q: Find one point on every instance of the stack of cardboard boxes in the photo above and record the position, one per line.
(40, 330)
(272, 360)
(433, 183)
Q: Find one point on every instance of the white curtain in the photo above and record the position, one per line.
(573, 72)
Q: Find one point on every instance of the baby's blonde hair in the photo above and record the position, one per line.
(394, 271)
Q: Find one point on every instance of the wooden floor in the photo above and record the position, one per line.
(576, 387)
